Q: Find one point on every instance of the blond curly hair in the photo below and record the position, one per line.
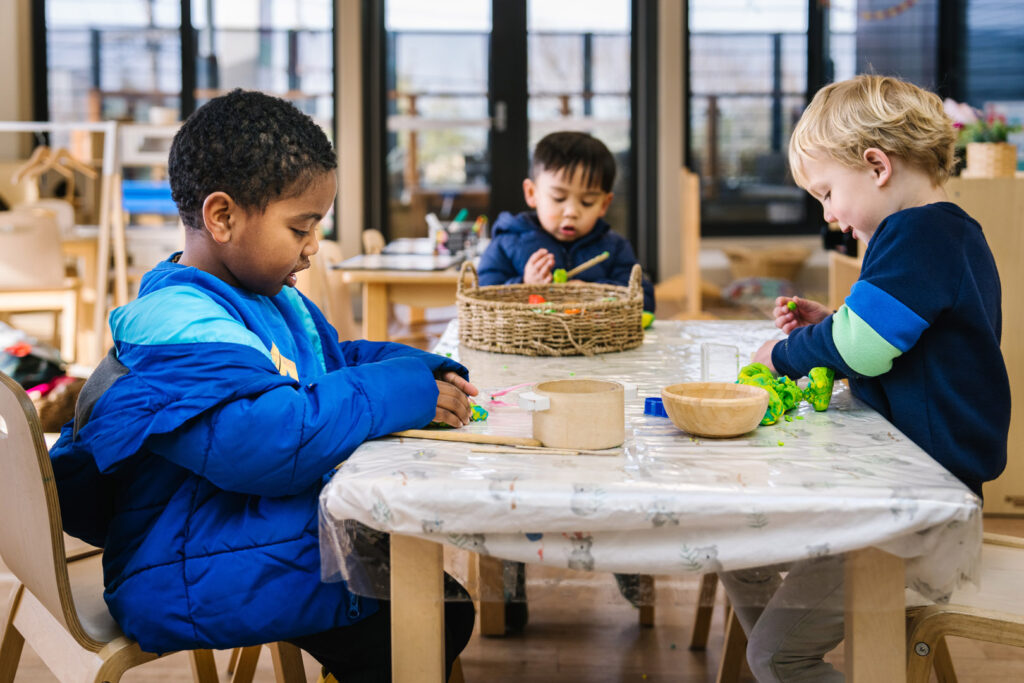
(906, 122)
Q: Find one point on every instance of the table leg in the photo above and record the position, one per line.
(875, 617)
(375, 311)
(417, 610)
(492, 596)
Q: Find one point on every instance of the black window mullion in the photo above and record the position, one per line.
(188, 60)
(507, 105)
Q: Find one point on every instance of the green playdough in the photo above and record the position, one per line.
(646, 319)
(791, 305)
(559, 275)
(784, 394)
(819, 389)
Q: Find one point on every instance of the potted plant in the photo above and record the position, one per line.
(984, 135)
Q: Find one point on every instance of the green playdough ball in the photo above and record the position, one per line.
(789, 392)
(819, 389)
(791, 305)
(647, 319)
(775, 409)
(559, 275)
(755, 369)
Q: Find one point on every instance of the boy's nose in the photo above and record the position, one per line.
(313, 245)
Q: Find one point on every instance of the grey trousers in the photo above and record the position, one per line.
(793, 622)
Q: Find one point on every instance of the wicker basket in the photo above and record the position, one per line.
(783, 263)
(577, 319)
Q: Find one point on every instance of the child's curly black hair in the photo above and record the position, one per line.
(254, 147)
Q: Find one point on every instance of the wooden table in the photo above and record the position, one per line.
(840, 481)
(381, 288)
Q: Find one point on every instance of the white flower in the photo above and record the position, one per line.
(959, 112)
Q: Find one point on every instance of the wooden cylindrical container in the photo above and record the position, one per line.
(579, 413)
(991, 160)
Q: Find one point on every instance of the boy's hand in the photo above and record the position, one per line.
(802, 312)
(764, 355)
(538, 268)
(453, 394)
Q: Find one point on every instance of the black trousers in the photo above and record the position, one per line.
(361, 652)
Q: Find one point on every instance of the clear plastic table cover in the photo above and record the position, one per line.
(666, 502)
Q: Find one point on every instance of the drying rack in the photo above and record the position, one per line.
(111, 220)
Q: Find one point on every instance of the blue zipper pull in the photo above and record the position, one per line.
(353, 606)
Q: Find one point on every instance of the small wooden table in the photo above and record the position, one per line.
(416, 288)
(841, 481)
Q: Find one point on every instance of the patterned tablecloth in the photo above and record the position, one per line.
(666, 503)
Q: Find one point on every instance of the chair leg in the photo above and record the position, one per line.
(204, 669)
(233, 660)
(943, 663)
(456, 676)
(734, 651)
(11, 641)
(245, 669)
(705, 610)
(287, 660)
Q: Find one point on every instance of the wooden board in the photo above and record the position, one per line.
(468, 437)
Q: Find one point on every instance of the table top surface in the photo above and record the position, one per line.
(666, 503)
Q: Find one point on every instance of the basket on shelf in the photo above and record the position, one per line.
(783, 263)
(577, 318)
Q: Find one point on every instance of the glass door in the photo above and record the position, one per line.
(472, 85)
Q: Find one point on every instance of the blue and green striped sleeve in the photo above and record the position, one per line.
(873, 328)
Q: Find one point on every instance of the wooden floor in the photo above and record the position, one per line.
(581, 631)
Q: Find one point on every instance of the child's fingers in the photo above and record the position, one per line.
(447, 417)
(453, 400)
(463, 385)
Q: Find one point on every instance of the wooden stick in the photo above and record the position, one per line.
(587, 264)
(468, 437)
(535, 450)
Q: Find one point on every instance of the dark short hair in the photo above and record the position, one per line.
(254, 147)
(565, 151)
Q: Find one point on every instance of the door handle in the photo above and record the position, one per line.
(500, 116)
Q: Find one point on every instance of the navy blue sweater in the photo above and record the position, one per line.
(515, 238)
(918, 338)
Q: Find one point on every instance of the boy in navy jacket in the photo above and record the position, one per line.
(570, 189)
(200, 444)
(917, 337)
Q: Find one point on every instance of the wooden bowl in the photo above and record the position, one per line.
(715, 409)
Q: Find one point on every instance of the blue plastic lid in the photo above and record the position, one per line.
(654, 406)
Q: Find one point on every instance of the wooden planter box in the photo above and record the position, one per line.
(991, 160)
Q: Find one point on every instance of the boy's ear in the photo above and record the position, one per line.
(606, 202)
(881, 165)
(530, 193)
(218, 208)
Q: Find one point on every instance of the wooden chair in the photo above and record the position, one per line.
(978, 615)
(373, 241)
(993, 614)
(686, 290)
(32, 273)
(323, 285)
(58, 606)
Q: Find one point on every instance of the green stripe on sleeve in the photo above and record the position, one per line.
(864, 350)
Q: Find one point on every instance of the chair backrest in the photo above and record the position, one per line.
(31, 541)
(324, 288)
(373, 241)
(30, 252)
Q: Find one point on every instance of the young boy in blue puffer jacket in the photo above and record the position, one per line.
(200, 444)
(569, 190)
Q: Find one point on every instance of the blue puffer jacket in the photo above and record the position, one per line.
(515, 238)
(200, 446)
